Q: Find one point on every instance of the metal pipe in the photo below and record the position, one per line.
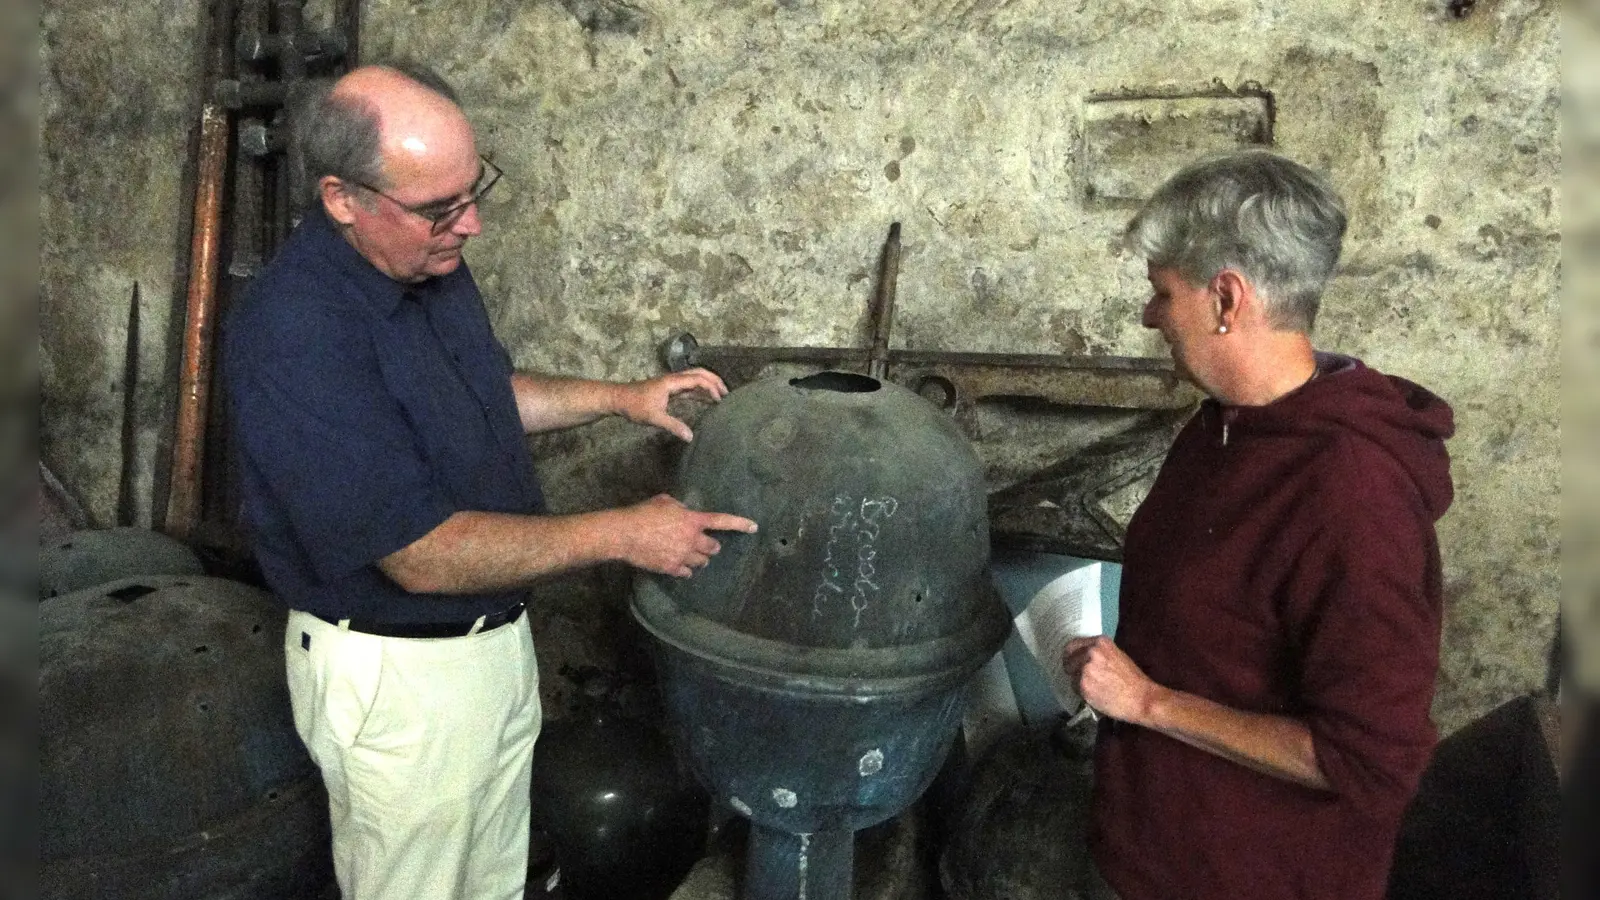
(290, 23)
(784, 866)
(291, 40)
(236, 94)
(194, 384)
(347, 18)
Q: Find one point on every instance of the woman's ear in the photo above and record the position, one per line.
(1231, 298)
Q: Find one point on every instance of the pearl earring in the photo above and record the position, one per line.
(1222, 329)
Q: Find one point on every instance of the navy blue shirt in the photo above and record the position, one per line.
(367, 412)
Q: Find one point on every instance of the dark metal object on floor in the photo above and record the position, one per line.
(814, 673)
(1486, 820)
(1017, 825)
(84, 559)
(620, 817)
(169, 767)
(889, 858)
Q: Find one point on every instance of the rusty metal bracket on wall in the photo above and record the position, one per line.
(1066, 505)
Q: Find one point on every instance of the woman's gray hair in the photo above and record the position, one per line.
(339, 136)
(1272, 220)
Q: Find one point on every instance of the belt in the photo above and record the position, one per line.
(427, 629)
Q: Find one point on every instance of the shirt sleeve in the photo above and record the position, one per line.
(1368, 635)
(332, 447)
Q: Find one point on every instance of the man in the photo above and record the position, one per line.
(395, 509)
(1269, 688)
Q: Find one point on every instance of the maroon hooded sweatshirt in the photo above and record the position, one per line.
(1285, 563)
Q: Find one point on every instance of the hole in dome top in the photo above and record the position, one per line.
(839, 382)
(131, 593)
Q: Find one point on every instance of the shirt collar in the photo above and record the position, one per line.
(381, 291)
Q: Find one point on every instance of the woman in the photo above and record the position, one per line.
(1265, 704)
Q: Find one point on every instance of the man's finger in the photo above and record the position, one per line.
(710, 381)
(728, 522)
(697, 379)
(673, 426)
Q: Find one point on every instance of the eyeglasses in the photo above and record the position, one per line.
(442, 214)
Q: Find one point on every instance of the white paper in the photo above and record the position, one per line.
(1066, 608)
(991, 706)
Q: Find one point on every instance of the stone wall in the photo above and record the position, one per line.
(118, 101)
(731, 169)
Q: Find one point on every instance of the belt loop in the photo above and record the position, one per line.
(477, 626)
(344, 624)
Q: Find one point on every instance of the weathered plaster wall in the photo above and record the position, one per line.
(731, 169)
(117, 102)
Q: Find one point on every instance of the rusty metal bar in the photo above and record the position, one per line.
(883, 303)
(956, 381)
(194, 385)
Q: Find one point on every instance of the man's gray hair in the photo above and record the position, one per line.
(339, 136)
(1272, 220)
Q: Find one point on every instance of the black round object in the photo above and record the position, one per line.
(625, 821)
(1019, 828)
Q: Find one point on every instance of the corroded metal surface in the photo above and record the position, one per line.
(814, 671)
(169, 766)
(613, 811)
(1055, 503)
(83, 559)
(961, 379)
(1018, 825)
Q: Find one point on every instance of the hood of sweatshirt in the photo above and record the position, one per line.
(1347, 399)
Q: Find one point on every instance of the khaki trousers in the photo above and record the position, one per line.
(426, 747)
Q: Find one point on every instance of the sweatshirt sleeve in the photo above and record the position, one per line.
(1367, 630)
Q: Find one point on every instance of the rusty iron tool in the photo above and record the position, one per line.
(128, 472)
(958, 381)
(883, 303)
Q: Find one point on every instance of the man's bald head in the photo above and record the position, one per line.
(353, 128)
